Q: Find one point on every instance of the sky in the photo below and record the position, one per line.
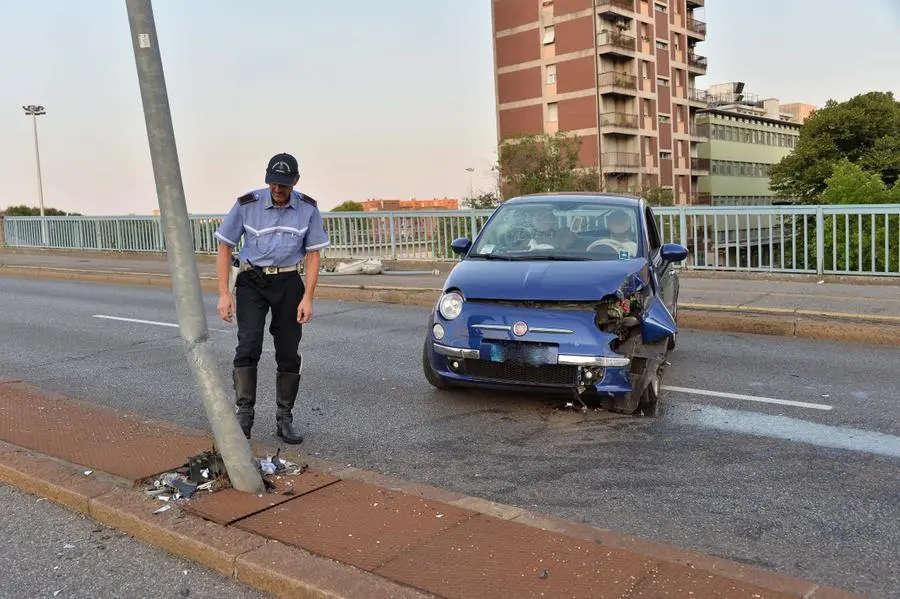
(387, 99)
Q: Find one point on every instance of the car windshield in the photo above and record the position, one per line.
(560, 231)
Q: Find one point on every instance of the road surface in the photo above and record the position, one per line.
(776, 452)
(49, 551)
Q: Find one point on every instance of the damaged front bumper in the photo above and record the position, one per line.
(610, 349)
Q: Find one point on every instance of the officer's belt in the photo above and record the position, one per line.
(270, 270)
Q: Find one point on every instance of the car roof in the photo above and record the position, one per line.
(605, 199)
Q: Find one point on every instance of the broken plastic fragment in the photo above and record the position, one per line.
(163, 508)
(544, 574)
(88, 472)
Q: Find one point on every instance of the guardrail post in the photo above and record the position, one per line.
(2, 232)
(820, 240)
(393, 236)
(474, 222)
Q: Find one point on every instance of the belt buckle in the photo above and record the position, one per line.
(270, 270)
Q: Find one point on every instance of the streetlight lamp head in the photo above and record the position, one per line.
(34, 110)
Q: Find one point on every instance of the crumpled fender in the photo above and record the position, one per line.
(657, 323)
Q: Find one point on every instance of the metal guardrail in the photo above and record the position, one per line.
(832, 239)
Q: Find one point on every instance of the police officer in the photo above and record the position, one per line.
(280, 228)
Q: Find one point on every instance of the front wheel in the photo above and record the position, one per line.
(433, 378)
(673, 338)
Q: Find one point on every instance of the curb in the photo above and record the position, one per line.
(269, 566)
(781, 322)
(287, 571)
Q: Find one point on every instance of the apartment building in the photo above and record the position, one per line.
(746, 135)
(621, 74)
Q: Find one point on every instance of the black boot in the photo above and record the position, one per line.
(286, 386)
(245, 396)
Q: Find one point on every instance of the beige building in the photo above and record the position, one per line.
(621, 74)
(799, 112)
(747, 136)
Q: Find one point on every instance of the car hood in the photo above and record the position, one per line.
(548, 280)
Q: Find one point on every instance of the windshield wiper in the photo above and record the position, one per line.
(552, 257)
(492, 257)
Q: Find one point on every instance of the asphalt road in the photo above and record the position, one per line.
(810, 489)
(49, 552)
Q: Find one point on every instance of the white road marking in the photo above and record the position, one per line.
(150, 322)
(722, 394)
(137, 320)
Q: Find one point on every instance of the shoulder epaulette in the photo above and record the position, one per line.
(308, 200)
(247, 198)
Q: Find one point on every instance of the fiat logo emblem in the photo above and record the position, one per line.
(519, 329)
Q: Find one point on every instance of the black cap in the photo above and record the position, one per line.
(282, 169)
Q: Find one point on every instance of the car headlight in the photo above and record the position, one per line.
(450, 305)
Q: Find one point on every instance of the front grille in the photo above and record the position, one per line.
(510, 372)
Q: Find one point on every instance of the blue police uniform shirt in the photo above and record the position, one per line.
(273, 236)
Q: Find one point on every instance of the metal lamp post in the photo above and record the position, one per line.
(230, 441)
(34, 111)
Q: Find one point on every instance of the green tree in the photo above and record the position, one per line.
(865, 130)
(855, 242)
(23, 210)
(659, 196)
(543, 163)
(850, 184)
(483, 201)
(348, 206)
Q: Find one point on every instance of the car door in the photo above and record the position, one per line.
(665, 273)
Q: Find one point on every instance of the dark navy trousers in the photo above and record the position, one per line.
(256, 294)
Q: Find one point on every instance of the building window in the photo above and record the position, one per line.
(665, 155)
(662, 45)
(551, 74)
(663, 119)
(662, 82)
(661, 8)
(549, 35)
(552, 112)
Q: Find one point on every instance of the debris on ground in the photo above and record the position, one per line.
(206, 472)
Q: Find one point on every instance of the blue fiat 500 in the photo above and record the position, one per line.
(571, 292)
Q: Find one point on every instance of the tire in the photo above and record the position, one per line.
(673, 338)
(650, 398)
(433, 378)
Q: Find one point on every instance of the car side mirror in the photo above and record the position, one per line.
(673, 252)
(461, 246)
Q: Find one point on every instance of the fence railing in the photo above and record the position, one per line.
(845, 240)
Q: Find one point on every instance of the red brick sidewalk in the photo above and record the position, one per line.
(339, 532)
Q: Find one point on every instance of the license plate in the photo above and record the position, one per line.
(532, 354)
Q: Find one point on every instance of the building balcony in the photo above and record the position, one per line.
(619, 120)
(620, 162)
(615, 43)
(615, 8)
(700, 166)
(697, 62)
(698, 28)
(614, 82)
(696, 3)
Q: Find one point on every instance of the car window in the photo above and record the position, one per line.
(561, 230)
(652, 232)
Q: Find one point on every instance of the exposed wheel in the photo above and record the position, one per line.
(672, 339)
(433, 378)
(650, 398)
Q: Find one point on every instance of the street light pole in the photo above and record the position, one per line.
(470, 170)
(34, 111)
(230, 441)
